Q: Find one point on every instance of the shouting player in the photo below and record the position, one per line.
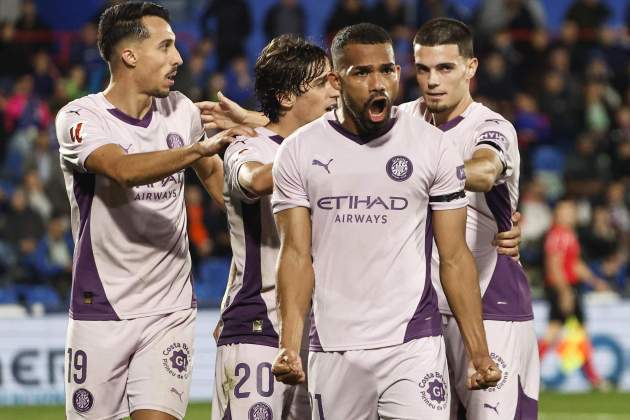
(358, 196)
(293, 89)
(123, 152)
(445, 64)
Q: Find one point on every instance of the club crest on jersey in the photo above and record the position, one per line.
(505, 373)
(434, 391)
(82, 400)
(174, 140)
(176, 360)
(260, 411)
(75, 131)
(399, 168)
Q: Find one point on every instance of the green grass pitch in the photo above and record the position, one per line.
(553, 406)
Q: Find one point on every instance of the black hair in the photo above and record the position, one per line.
(125, 20)
(286, 66)
(361, 33)
(442, 31)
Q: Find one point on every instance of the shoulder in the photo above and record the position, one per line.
(418, 127)
(88, 105)
(486, 118)
(411, 106)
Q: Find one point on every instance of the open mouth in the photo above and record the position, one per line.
(171, 77)
(377, 109)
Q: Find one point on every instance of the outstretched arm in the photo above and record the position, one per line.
(295, 283)
(458, 274)
(226, 114)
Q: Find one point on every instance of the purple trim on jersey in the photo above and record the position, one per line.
(508, 297)
(248, 305)
(278, 139)
(85, 277)
(358, 139)
(426, 321)
(144, 122)
(526, 407)
(228, 413)
(498, 200)
(315, 344)
(451, 123)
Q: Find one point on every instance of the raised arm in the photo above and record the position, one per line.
(130, 170)
(295, 283)
(458, 275)
(226, 114)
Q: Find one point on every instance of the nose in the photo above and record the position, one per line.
(433, 81)
(177, 58)
(376, 82)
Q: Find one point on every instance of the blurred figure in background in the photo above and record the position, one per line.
(564, 271)
(229, 23)
(285, 17)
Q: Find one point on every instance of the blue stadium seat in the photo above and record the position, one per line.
(211, 280)
(8, 295)
(549, 159)
(43, 294)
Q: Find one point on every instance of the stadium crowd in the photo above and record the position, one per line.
(566, 90)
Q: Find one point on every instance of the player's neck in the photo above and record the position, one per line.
(286, 125)
(456, 111)
(126, 98)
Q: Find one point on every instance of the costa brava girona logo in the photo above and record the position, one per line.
(505, 373)
(434, 391)
(174, 140)
(176, 360)
(260, 411)
(399, 168)
(82, 400)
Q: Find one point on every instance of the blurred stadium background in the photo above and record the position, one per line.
(558, 69)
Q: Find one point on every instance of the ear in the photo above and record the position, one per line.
(471, 68)
(334, 80)
(129, 57)
(286, 100)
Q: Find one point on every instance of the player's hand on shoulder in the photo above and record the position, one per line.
(220, 141)
(483, 373)
(287, 367)
(508, 242)
(221, 115)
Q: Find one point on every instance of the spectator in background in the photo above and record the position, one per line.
(346, 13)
(44, 75)
(589, 15)
(560, 106)
(51, 261)
(285, 17)
(24, 109)
(587, 170)
(532, 127)
(494, 79)
(596, 108)
(239, 83)
(85, 53)
(36, 195)
(495, 15)
(15, 60)
(391, 15)
(215, 84)
(229, 23)
(618, 208)
(535, 221)
(29, 21)
(200, 240)
(75, 83)
(564, 271)
(42, 160)
(191, 76)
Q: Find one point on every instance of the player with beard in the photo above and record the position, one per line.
(291, 78)
(123, 154)
(357, 203)
(487, 142)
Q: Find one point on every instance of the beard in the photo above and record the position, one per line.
(361, 117)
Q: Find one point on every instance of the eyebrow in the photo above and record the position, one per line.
(370, 67)
(445, 64)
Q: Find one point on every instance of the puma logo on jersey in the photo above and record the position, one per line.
(126, 149)
(176, 392)
(317, 162)
(73, 111)
(75, 132)
(486, 405)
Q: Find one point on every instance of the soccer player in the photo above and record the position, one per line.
(358, 196)
(291, 79)
(564, 271)
(445, 64)
(123, 151)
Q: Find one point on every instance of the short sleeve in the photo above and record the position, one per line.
(197, 132)
(289, 189)
(79, 131)
(447, 190)
(241, 151)
(499, 136)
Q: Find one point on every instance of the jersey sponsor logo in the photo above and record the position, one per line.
(495, 136)
(176, 360)
(356, 202)
(317, 162)
(82, 400)
(174, 140)
(399, 168)
(494, 408)
(433, 391)
(75, 131)
(505, 373)
(260, 411)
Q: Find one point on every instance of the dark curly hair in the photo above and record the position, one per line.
(125, 20)
(286, 66)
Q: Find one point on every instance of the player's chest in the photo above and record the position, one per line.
(158, 135)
